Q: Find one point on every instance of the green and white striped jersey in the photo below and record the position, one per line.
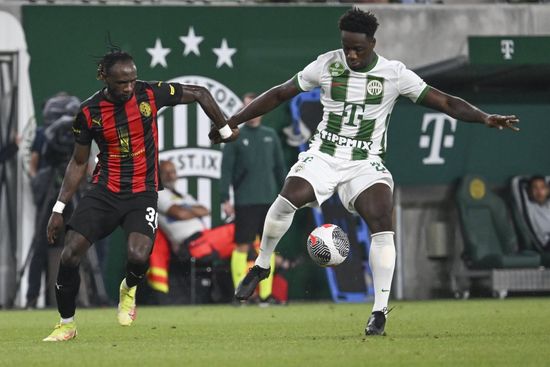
(357, 105)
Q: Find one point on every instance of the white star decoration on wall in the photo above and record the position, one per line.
(191, 44)
(158, 54)
(224, 54)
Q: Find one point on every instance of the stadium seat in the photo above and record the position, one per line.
(490, 241)
(519, 190)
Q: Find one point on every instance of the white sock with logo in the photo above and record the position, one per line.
(382, 265)
(277, 222)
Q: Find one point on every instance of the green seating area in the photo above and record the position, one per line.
(492, 250)
(490, 240)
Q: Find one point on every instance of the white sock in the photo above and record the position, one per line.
(66, 321)
(277, 222)
(382, 264)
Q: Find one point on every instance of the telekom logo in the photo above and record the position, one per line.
(438, 139)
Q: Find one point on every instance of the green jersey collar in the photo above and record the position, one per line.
(370, 66)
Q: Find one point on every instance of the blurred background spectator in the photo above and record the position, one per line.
(254, 167)
(50, 153)
(539, 209)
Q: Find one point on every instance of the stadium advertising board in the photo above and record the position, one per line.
(509, 50)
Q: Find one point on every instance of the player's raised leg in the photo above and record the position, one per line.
(375, 205)
(296, 192)
(277, 222)
(139, 249)
(66, 287)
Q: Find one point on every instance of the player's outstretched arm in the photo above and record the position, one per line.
(261, 105)
(464, 111)
(195, 93)
(265, 102)
(75, 172)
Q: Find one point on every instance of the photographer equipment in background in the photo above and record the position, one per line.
(51, 152)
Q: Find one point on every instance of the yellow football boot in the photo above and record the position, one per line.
(62, 332)
(127, 305)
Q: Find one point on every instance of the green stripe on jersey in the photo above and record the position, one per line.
(375, 89)
(366, 127)
(365, 130)
(297, 83)
(334, 125)
(422, 95)
(359, 154)
(339, 87)
(383, 143)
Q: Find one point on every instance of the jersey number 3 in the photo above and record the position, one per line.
(152, 218)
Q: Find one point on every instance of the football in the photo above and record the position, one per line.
(328, 245)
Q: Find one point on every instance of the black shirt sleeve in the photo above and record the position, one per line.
(166, 94)
(39, 140)
(82, 134)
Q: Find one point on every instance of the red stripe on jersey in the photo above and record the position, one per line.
(155, 134)
(86, 112)
(97, 172)
(137, 139)
(88, 117)
(112, 143)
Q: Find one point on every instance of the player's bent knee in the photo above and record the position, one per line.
(279, 217)
(139, 255)
(70, 257)
(380, 223)
(139, 248)
(75, 247)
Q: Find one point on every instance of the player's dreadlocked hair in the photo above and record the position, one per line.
(358, 21)
(114, 55)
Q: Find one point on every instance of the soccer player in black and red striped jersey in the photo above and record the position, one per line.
(122, 119)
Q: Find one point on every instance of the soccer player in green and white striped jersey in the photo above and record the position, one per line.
(358, 91)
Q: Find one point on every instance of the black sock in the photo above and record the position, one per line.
(66, 289)
(135, 273)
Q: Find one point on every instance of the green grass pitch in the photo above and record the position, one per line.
(512, 332)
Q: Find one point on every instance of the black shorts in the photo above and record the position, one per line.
(100, 211)
(249, 222)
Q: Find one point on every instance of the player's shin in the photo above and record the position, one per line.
(135, 273)
(66, 289)
(382, 264)
(277, 222)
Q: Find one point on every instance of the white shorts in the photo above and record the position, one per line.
(328, 174)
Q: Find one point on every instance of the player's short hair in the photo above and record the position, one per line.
(357, 21)
(112, 57)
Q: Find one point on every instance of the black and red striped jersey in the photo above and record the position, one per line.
(127, 136)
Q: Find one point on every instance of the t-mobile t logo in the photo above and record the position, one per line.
(437, 139)
(507, 49)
